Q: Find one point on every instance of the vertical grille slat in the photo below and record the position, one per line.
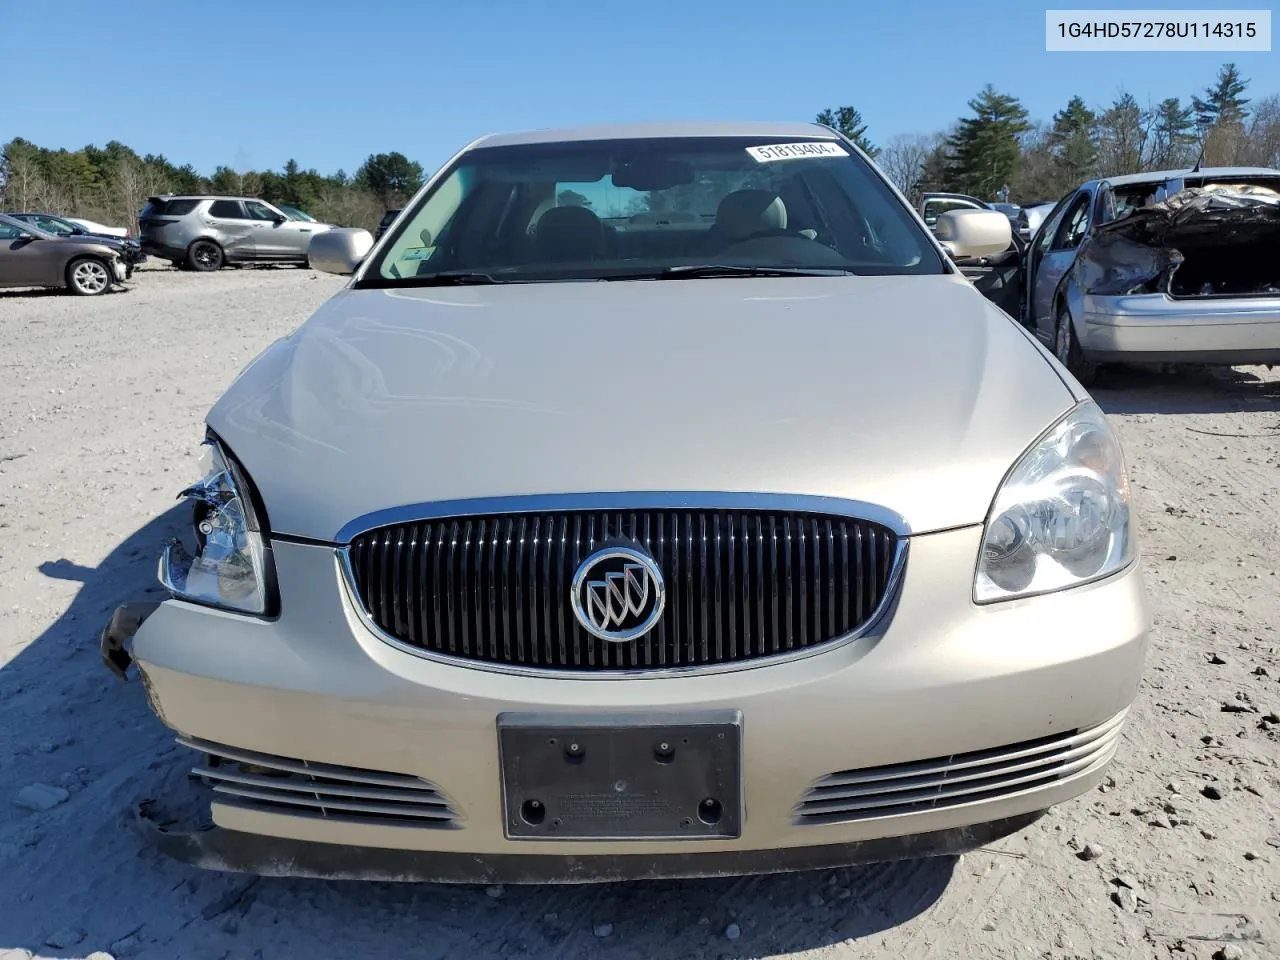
(740, 584)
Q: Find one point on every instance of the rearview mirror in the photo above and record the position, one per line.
(974, 233)
(339, 250)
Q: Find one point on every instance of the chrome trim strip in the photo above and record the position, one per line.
(624, 500)
(347, 576)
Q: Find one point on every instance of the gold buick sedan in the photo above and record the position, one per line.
(654, 501)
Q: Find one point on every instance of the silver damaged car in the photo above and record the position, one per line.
(654, 501)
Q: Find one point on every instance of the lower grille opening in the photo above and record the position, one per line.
(253, 780)
(959, 779)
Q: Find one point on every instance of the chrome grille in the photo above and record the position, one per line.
(943, 782)
(261, 781)
(741, 584)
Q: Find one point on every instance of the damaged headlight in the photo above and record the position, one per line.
(231, 566)
(1061, 516)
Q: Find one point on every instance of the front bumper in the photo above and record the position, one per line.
(943, 678)
(1159, 329)
(235, 851)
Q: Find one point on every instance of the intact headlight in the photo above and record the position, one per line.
(231, 566)
(1061, 516)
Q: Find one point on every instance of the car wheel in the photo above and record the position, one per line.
(1067, 349)
(205, 256)
(88, 277)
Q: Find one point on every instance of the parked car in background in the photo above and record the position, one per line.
(130, 249)
(31, 257)
(296, 213)
(387, 218)
(209, 232)
(1033, 215)
(99, 229)
(773, 545)
(1163, 267)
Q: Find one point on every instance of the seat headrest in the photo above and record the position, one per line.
(747, 212)
(570, 233)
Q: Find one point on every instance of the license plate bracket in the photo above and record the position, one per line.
(621, 778)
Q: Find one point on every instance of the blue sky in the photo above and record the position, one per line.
(253, 84)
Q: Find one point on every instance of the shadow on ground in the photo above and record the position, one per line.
(1121, 389)
(79, 877)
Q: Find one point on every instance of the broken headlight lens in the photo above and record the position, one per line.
(1061, 517)
(231, 564)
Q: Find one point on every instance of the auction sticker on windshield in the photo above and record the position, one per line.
(795, 151)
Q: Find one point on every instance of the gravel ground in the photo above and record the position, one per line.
(101, 409)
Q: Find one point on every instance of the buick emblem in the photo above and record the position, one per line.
(617, 594)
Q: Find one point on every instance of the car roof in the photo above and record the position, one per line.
(637, 131)
(1159, 176)
(204, 196)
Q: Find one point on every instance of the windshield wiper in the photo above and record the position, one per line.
(697, 271)
(445, 278)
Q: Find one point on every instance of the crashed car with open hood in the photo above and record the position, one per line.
(1161, 267)
(655, 500)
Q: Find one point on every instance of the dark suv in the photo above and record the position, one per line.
(386, 222)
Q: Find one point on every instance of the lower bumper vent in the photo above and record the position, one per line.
(959, 779)
(260, 781)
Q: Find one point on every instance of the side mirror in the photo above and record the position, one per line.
(973, 234)
(340, 250)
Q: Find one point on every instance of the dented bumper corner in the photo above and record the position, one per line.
(115, 645)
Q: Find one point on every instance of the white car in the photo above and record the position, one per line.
(94, 227)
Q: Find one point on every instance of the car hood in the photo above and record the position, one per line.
(913, 394)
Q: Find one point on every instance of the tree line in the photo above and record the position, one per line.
(999, 146)
(111, 184)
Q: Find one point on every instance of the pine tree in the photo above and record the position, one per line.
(1222, 102)
(984, 151)
(1172, 133)
(848, 121)
(1072, 143)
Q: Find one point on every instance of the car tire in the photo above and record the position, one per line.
(88, 277)
(204, 256)
(1067, 349)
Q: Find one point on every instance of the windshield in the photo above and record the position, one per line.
(624, 209)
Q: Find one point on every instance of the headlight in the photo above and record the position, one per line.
(1061, 516)
(231, 566)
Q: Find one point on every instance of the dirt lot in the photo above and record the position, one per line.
(101, 407)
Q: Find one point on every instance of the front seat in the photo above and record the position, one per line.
(570, 233)
(744, 214)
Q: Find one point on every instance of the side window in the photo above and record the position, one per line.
(1105, 206)
(178, 208)
(1074, 225)
(53, 226)
(226, 210)
(1045, 235)
(9, 233)
(259, 211)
